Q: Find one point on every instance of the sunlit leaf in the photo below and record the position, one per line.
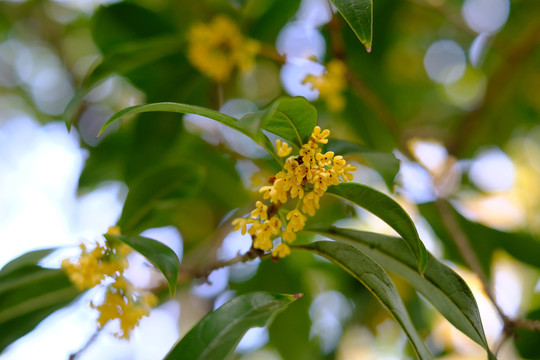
(359, 16)
(159, 254)
(369, 273)
(385, 163)
(387, 210)
(440, 285)
(155, 186)
(29, 293)
(293, 119)
(215, 337)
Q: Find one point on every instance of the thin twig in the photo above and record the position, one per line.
(92, 338)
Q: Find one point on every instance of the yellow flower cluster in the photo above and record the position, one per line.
(305, 176)
(330, 84)
(109, 261)
(219, 47)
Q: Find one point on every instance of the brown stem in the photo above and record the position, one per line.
(188, 273)
(92, 338)
(268, 51)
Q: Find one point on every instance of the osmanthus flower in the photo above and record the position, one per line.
(330, 84)
(304, 177)
(122, 301)
(218, 48)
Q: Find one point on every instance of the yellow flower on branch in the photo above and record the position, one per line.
(305, 176)
(218, 48)
(330, 84)
(108, 261)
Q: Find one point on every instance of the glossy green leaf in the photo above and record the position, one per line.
(440, 285)
(159, 254)
(359, 16)
(293, 119)
(387, 210)
(369, 273)
(215, 337)
(385, 163)
(29, 293)
(155, 186)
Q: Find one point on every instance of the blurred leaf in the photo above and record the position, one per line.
(484, 239)
(123, 23)
(157, 253)
(267, 17)
(359, 16)
(387, 210)
(369, 273)
(156, 185)
(445, 289)
(385, 163)
(30, 293)
(27, 259)
(217, 334)
(526, 341)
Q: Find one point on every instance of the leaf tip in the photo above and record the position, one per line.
(368, 48)
(297, 296)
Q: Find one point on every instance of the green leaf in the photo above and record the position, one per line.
(440, 285)
(155, 186)
(293, 119)
(387, 210)
(28, 259)
(385, 163)
(118, 24)
(369, 273)
(359, 16)
(159, 254)
(177, 108)
(30, 293)
(215, 337)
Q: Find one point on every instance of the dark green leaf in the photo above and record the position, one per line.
(526, 341)
(369, 273)
(359, 16)
(157, 253)
(27, 259)
(30, 293)
(155, 186)
(217, 334)
(387, 210)
(440, 285)
(123, 23)
(385, 163)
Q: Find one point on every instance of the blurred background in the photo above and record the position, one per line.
(451, 88)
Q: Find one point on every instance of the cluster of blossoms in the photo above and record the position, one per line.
(219, 47)
(305, 176)
(121, 301)
(330, 84)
